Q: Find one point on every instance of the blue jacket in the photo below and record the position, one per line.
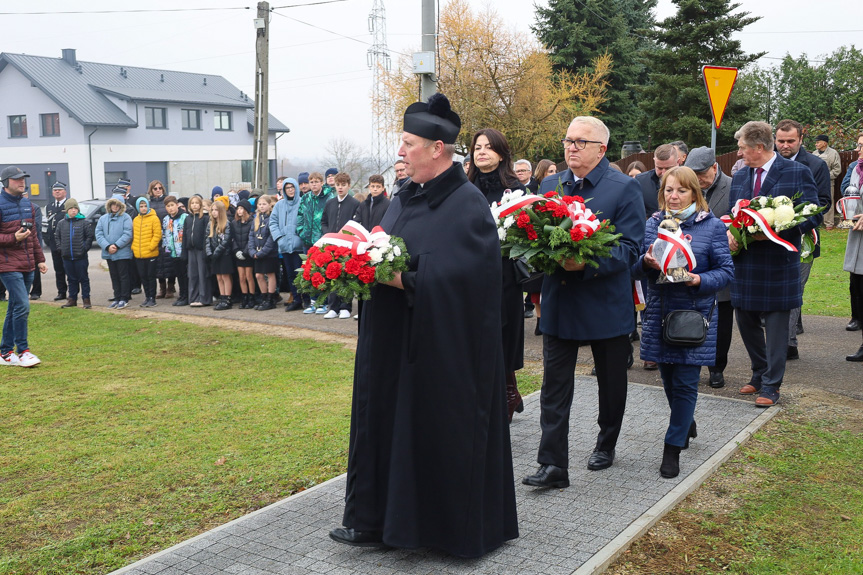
(283, 222)
(712, 263)
(596, 303)
(766, 275)
(115, 229)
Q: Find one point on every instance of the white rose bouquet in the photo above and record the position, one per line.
(767, 215)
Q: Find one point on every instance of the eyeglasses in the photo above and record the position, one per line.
(158, 188)
(579, 144)
(859, 146)
(522, 171)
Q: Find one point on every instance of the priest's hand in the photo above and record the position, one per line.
(570, 265)
(396, 282)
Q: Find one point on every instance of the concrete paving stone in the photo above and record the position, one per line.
(203, 570)
(560, 528)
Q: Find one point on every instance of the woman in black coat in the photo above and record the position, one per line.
(165, 272)
(491, 171)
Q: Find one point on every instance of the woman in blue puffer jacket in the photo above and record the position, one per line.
(680, 367)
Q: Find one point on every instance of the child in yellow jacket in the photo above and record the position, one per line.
(146, 239)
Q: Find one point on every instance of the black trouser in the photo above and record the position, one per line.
(855, 286)
(181, 270)
(558, 383)
(856, 295)
(76, 272)
(147, 272)
(337, 304)
(119, 270)
(724, 331)
(36, 288)
(59, 272)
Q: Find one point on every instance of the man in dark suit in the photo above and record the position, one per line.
(588, 305)
(54, 213)
(715, 186)
(789, 144)
(665, 157)
(766, 275)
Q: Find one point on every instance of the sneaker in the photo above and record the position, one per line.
(310, 309)
(27, 359)
(196, 304)
(9, 359)
(122, 303)
(332, 314)
(114, 305)
(357, 317)
(322, 310)
(344, 314)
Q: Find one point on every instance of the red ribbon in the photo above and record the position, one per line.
(761, 223)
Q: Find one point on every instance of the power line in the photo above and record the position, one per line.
(309, 4)
(130, 11)
(351, 38)
(803, 32)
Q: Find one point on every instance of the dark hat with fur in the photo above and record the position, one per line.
(433, 120)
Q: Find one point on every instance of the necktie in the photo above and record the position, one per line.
(757, 189)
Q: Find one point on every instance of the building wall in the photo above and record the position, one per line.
(20, 98)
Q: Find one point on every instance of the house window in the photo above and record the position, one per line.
(191, 119)
(247, 170)
(222, 120)
(17, 126)
(50, 124)
(156, 118)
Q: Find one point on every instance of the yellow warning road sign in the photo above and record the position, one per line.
(719, 82)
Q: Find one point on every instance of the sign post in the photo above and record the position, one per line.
(719, 82)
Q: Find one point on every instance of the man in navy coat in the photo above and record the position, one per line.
(766, 275)
(588, 306)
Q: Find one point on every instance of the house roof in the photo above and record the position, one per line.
(80, 88)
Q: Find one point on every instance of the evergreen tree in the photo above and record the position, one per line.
(675, 100)
(576, 32)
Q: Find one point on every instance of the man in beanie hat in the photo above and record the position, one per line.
(54, 213)
(303, 181)
(74, 238)
(20, 254)
(430, 463)
(330, 180)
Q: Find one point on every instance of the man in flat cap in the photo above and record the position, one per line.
(20, 254)
(715, 186)
(429, 463)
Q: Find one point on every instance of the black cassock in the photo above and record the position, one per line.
(430, 463)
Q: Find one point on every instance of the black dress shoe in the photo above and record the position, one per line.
(600, 460)
(548, 476)
(357, 538)
(35, 296)
(857, 356)
(853, 325)
(62, 296)
(717, 380)
(294, 305)
(792, 353)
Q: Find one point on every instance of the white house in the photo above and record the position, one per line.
(89, 124)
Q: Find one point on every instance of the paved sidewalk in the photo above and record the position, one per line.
(576, 530)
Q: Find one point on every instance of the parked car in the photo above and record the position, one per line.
(92, 210)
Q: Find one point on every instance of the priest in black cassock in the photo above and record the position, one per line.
(430, 463)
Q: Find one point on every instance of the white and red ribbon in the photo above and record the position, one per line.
(677, 243)
(761, 223)
(354, 236)
(840, 206)
(512, 207)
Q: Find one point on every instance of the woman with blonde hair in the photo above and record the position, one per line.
(263, 250)
(194, 246)
(220, 239)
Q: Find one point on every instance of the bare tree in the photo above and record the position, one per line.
(350, 157)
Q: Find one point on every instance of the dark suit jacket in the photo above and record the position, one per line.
(649, 183)
(766, 275)
(597, 303)
(821, 174)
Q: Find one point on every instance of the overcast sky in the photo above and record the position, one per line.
(319, 79)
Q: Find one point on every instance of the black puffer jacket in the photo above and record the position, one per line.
(74, 238)
(195, 232)
(218, 245)
(241, 235)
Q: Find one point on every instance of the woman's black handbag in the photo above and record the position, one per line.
(685, 327)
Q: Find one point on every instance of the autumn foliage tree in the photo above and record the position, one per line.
(498, 78)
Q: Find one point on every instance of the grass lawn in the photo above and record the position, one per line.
(827, 289)
(136, 434)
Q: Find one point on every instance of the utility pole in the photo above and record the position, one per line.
(378, 58)
(428, 81)
(261, 176)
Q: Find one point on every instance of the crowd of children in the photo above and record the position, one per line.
(234, 248)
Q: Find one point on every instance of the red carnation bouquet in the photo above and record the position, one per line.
(546, 230)
(349, 262)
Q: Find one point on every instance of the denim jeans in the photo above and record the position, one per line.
(15, 326)
(681, 389)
